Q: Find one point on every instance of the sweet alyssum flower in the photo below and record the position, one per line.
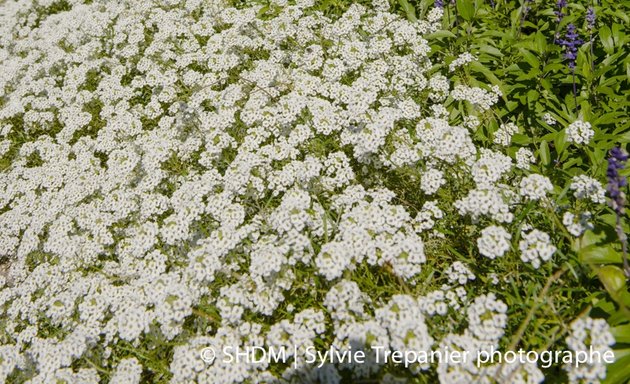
(536, 247)
(494, 242)
(549, 119)
(579, 132)
(588, 335)
(586, 187)
(188, 174)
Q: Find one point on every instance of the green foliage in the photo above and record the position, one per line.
(517, 50)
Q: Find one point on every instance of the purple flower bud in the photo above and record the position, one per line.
(590, 18)
(439, 3)
(560, 5)
(616, 182)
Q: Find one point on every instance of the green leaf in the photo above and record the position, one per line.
(609, 118)
(544, 152)
(605, 35)
(560, 141)
(490, 50)
(599, 254)
(530, 58)
(440, 34)
(621, 333)
(619, 371)
(613, 279)
(541, 42)
(520, 139)
(466, 9)
(410, 11)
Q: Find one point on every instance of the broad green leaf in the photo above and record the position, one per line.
(560, 141)
(541, 42)
(544, 153)
(521, 139)
(599, 254)
(621, 333)
(605, 36)
(410, 11)
(466, 9)
(530, 58)
(490, 50)
(619, 371)
(440, 34)
(613, 279)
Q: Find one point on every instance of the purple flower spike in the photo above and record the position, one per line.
(560, 5)
(571, 44)
(616, 182)
(590, 18)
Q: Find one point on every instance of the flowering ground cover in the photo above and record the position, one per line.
(355, 192)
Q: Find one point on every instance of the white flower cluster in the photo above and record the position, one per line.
(127, 371)
(431, 181)
(535, 186)
(585, 187)
(536, 247)
(459, 273)
(577, 224)
(549, 119)
(479, 97)
(487, 318)
(503, 136)
(494, 242)
(590, 336)
(579, 132)
(462, 59)
(524, 157)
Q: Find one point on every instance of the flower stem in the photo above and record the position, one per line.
(575, 91)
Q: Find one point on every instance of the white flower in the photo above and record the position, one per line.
(487, 317)
(127, 371)
(471, 122)
(585, 187)
(494, 242)
(535, 247)
(589, 336)
(579, 132)
(431, 181)
(462, 59)
(549, 119)
(535, 186)
(478, 97)
(459, 273)
(577, 224)
(503, 135)
(524, 157)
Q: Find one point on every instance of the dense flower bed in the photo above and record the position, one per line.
(179, 175)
